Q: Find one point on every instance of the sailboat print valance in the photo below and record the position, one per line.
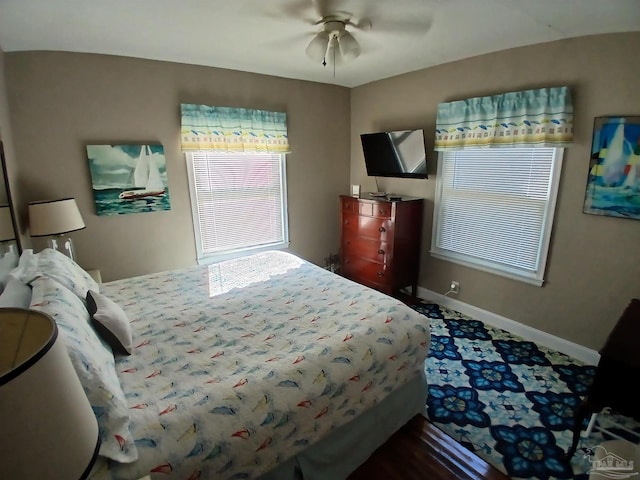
(229, 129)
(531, 118)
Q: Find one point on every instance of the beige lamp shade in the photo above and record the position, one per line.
(54, 217)
(6, 225)
(48, 427)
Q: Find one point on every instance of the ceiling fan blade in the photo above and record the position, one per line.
(414, 26)
(294, 9)
(321, 8)
(396, 22)
(285, 41)
(363, 24)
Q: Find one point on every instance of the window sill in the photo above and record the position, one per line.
(220, 257)
(513, 275)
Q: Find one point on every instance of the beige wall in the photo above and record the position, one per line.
(59, 102)
(594, 264)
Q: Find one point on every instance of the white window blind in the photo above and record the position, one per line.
(494, 209)
(238, 201)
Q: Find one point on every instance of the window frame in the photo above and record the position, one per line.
(204, 258)
(536, 277)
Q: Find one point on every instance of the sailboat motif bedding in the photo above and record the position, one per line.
(240, 365)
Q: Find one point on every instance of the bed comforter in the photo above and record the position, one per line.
(240, 365)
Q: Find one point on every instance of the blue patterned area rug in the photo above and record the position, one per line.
(508, 400)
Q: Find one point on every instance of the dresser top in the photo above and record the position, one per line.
(376, 197)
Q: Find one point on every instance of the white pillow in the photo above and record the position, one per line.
(16, 293)
(57, 266)
(8, 262)
(94, 364)
(110, 321)
(26, 264)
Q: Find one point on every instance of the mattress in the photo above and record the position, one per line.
(241, 365)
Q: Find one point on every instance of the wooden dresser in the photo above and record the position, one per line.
(380, 245)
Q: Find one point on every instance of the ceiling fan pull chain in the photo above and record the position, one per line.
(334, 62)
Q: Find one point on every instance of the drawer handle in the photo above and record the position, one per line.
(348, 242)
(346, 222)
(382, 212)
(381, 229)
(381, 274)
(381, 252)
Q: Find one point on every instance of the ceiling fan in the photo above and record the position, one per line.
(336, 21)
(334, 43)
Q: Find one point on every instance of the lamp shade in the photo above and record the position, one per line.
(48, 427)
(317, 48)
(349, 48)
(6, 225)
(54, 217)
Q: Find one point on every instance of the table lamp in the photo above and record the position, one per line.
(55, 218)
(48, 427)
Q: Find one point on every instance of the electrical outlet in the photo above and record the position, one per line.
(454, 287)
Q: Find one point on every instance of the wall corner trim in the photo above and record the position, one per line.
(579, 352)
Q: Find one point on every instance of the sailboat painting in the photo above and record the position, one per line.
(130, 178)
(613, 184)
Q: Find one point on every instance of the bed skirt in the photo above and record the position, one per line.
(346, 448)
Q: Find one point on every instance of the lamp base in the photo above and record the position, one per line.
(67, 245)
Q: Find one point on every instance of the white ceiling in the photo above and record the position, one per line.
(270, 36)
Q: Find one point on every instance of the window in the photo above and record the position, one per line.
(238, 202)
(494, 209)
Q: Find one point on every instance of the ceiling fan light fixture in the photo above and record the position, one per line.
(333, 56)
(349, 47)
(317, 48)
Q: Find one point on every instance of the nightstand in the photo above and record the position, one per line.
(95, 274)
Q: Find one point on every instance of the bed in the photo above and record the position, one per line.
(264, 366)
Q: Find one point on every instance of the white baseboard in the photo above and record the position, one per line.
(574, 350)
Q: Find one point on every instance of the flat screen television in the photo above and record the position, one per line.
(395, 154)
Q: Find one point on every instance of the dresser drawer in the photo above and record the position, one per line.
(366, 248)
(381, 210)
(370, 209)
(369, 227)
(358, 268)
(350, 205)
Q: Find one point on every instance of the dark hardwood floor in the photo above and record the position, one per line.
(420, 451)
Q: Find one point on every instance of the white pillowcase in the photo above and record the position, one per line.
(8, 262)
(16, 293)
(57, 266)
(110, 321)
(94, 364)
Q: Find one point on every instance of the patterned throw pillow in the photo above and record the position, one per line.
(94, 364)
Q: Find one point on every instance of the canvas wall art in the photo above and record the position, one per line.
(613, 184)
(129, 178)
